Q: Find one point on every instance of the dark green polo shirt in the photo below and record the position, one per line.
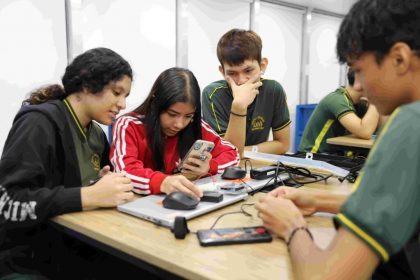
(268, 111)
(89, 146)
(384, 209)
(324, 122)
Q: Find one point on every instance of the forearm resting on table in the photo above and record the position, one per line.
(87, 197)
(270, 147)
(331, 203)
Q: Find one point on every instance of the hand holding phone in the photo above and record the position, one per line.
(196, 161)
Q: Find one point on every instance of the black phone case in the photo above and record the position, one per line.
(226, 236)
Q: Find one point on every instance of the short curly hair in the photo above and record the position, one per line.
(91, 70)
(94, 69)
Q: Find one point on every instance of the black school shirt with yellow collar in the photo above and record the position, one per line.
(325, 121)
(268, 110)
(384, 209)
(89, 145)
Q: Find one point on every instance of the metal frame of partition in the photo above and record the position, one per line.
(182, 36)
(305, 54)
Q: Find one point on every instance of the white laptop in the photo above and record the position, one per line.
(215, 182)
(150, 208)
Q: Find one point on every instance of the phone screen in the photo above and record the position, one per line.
(225, 236)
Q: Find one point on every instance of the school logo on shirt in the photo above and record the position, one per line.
(257, 123)
(96, 162)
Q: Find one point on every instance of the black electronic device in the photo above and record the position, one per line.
(180, 201)
(232, 188)
(262, 173)
(225, 236)
(180, 229)
(353, 165)
(233, 172)
(212, 197)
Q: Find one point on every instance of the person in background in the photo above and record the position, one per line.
(378, 229)
(244, 107)
(341, 112)
(52, 157)
(150, 142)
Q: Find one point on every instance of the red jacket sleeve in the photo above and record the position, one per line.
(129, 152)
(224, 153)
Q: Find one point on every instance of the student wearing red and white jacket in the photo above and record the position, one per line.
(150, 142)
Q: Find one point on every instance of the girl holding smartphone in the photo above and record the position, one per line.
(150, 142)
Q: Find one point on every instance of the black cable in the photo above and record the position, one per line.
(250, 163)
(306, 173)
(243, 210)
(252, 189)
(228, 213)
(276, 174)
(235, 212)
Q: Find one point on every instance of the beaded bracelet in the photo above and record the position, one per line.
(294, 232)
(238, 115)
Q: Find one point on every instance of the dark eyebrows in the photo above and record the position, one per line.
(175, 112)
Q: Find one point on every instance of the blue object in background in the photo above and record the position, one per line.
(303, 113)
(110, 133)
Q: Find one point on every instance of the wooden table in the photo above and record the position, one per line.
(351, 141)
(157, 246)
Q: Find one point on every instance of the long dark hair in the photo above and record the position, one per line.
(173, 85)
(91, 70)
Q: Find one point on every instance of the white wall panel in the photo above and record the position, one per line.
(143, 32)
(324, 69)
(33, 52)
(281, 32)
(208, 20)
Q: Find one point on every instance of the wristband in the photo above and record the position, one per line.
(293, 234)
(238, 115)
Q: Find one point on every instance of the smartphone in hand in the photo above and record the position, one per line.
(197, 150)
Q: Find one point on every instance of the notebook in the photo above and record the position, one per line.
(150, 208)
